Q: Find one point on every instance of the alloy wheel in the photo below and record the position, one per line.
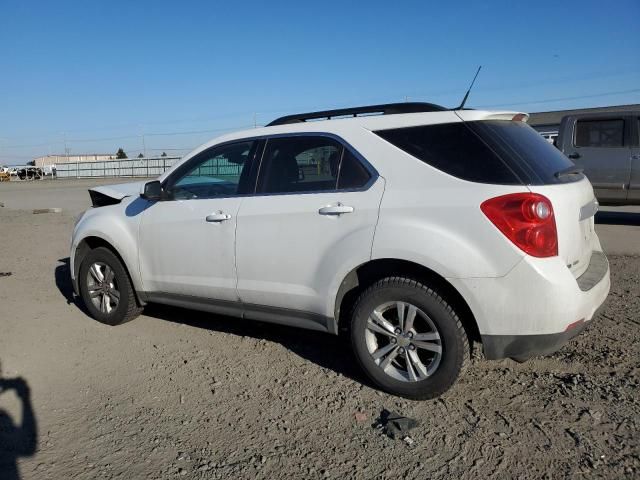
(403, 341)
(102, 287)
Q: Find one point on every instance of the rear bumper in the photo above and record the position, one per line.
(523, 347)
(537, 307)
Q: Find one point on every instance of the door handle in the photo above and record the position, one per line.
(574, 155)
(335, 210)
(218, 217)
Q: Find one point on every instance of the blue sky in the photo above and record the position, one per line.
(102, 73)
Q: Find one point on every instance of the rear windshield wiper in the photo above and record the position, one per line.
(572, 170)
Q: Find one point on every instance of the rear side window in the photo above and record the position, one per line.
(600, 133)
(454, 149)
(488, 151)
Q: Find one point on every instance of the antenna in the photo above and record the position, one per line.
(466, 95)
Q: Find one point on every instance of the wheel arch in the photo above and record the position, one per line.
(92, 242)
(364, 275)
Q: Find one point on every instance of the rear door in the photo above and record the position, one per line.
(313, 216)
(601, 146)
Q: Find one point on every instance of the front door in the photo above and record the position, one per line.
(312, 217)
(187, 241)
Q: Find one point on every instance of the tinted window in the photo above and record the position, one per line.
(308, 164)
(600, 133)
(353, 174)
(454, 149)
(218, 171)
(534, 160)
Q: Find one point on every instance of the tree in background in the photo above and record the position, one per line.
(140, 155)
(164, 154)
(32, 163)
(120, 154)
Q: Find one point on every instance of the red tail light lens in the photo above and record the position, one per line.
(527, 220)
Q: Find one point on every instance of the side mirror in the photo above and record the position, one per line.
(152, 191)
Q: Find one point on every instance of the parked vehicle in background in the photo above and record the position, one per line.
(4, 174)
(418, 231)
(607, 147)
(29, 173)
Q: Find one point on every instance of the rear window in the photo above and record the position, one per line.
(488, 151)
(534, 160)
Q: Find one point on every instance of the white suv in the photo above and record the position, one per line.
(418, 230)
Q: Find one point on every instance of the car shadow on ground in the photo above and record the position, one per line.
(62, 276)
(617, 218)
(323, 349)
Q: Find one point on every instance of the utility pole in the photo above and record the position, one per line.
(144, 147)
(66, 151)
(255, 119)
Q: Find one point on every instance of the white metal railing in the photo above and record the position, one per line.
(134, 167)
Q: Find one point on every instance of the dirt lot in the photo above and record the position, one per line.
(183, 394)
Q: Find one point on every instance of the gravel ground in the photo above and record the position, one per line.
(177, 393)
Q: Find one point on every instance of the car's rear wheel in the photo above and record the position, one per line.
(106, 289)
(408, 339)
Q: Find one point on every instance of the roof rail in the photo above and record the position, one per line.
(384, 109)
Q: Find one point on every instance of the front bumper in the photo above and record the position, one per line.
(537, 307)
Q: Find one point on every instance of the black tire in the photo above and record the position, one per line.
(453, 340)
(127, 307)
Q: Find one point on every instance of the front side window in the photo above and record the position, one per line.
(309, 164)
(218, 171)
(600, 133)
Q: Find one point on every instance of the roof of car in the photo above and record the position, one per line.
(344, 125)
(382, 109)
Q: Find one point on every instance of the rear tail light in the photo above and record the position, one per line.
(527, 220)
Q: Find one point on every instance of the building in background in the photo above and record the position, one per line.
(83, 157)
(548, 123)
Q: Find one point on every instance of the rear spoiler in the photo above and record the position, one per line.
(473, 115)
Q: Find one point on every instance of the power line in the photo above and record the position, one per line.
(561, 99)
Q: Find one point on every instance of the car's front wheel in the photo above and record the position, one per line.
(106, 289)
(408, 339)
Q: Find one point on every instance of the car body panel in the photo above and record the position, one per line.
(119, 191)
(182, 253)
(289, 255)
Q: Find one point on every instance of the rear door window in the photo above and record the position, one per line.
(309, 164)
(605, 133)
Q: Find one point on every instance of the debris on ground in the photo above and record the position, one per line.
(47, 210)
(361, 417)
(394, 425)
(408, 440)
(6, 274)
